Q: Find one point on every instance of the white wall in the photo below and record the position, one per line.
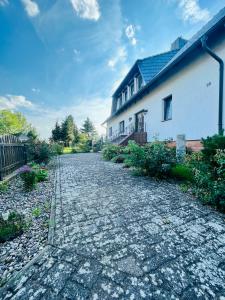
(195, 91)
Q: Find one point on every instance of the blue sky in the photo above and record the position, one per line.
(60, 57)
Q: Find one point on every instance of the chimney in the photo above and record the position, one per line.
(178, 43)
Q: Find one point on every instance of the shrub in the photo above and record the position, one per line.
(119, 158)
(11, 226)
(97, 146)
(154, 159)
(110, 151)
(57, 149)
(42, 175)
(28, 175)
(84, 147)
(182, 172)
(3, 187)
(40, 152)
(209, 177)
(211, 145)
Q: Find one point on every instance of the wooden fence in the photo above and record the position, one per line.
(12, 155)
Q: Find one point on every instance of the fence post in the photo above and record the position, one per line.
(180, 147)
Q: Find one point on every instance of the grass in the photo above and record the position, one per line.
(36, 212)
(67, 150)
(3, 186)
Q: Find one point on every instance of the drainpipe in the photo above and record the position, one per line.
(220, 61)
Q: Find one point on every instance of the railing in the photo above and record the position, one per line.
(12, 155)
(117, 134)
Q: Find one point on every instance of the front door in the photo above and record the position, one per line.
(140, 122)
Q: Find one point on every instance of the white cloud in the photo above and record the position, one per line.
(87, 9)
(130, 33)
(31, 7)
(43, 118)
(14, 102)
(97, 109)
(4, 2)
(35, 90)
(120, 56)
(192, 12)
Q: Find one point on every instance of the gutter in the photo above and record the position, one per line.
(221, 75)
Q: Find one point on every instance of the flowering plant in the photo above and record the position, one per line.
(28, 175)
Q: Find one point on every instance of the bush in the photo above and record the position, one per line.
(40, 152)
(154, 159)
(110, 151)
(57, 149)
(209, 176)
(11, 226)
(84, 147)
(42, 175)
(97, 146)
(182, 172)
(28, 176)
(119, 158)
(211, 145)
(3, 187)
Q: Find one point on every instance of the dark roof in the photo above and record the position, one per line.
(151, 66)
(148, 68)
(195, 41)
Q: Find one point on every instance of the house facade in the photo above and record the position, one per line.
(173, 93)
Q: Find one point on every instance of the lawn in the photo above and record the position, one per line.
(67, 150)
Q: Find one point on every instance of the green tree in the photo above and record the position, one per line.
(32, 134)
(13, 123)
(89, 128)
(69, 131)
(57, 133)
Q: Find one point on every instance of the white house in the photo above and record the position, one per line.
(177, 92)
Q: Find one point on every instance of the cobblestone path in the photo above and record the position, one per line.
(123, 237)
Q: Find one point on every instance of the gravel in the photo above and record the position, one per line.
(18, 252)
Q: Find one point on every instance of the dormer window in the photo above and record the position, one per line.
(119, 101)
(132, 89)
(139, 82)
(125, 95)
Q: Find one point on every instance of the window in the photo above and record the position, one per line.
(119, 101)
(125, 95)
(167, 108)
(121, 127)
(139, 80)
(110, 131)
(132, 89)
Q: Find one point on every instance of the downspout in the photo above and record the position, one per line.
(220, 61)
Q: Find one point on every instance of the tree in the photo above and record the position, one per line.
(57, 133)
(13, 123)
(32, 134)
(69, 131)
(88, 128)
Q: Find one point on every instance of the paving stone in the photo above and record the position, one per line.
(74, 290)
(87, 273)
(123, 237)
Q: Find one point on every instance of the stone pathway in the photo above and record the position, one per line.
(124, 237)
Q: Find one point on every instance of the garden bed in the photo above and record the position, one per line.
(35, 207)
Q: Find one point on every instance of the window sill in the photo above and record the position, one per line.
(166, 120)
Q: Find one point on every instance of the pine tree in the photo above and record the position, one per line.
(57, 133)
(88, 128)
(69, 131)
